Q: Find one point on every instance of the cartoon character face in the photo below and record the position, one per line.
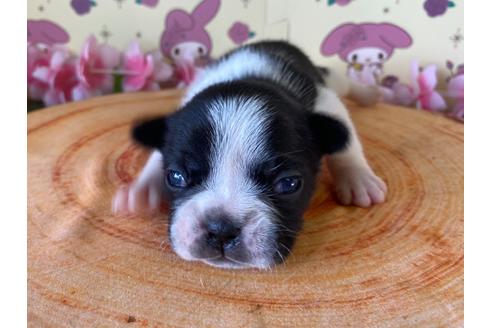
(190, 50)
(367, 55)
(365, 43)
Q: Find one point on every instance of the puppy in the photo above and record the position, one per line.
(238, 161)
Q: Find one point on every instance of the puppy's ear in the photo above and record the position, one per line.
(150, 133)
(330, 135)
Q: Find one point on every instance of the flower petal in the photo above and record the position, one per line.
(110, 56)
(434, 102)
(162, 72)
(427, 79)
(58, 58)
(52, 97)
(456, 86)
(42, 74)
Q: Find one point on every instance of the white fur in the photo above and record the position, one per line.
(355, 182)
(241, 63)
(145, 192)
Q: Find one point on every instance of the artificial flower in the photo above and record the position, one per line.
(37, 57)
(456, 91)
(143, 71)
(423, 86)
(96, 64)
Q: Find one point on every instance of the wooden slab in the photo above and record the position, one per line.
(399, 264)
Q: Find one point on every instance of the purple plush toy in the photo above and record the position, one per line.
(365, 46)
(185, 39)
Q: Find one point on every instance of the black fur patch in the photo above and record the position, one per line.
(298, 74)
(188, 147)
(330, 135)
(150, 132)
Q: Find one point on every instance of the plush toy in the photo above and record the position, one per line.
(420, 92)
(456, 91)
(365, 47)
(186, 41)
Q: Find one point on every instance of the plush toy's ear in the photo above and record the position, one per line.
(395, 35)
(178, 20)
(150, 133)
(330, 135)
(205, 11)
(332, 43)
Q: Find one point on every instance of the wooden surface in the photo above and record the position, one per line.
(399, 264)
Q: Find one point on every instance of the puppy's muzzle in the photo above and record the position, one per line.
(222, 234)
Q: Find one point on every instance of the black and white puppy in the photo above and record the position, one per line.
(239, 160)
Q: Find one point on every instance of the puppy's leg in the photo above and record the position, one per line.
(145, 193)
(355, 182)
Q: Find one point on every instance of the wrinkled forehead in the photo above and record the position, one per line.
(234, 133)
(225, 134)
(225, 141)
(240, 131)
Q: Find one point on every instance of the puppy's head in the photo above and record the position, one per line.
(240, 164)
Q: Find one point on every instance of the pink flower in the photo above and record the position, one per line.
(162, 71)
(37, 58)
(62, 83)
(52, 77)
(239, 33)
(143, 72)
(95, 65)
(456, 91)
(56, 76)
(422, 85)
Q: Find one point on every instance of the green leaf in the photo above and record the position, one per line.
(451, 4)
(331, 2)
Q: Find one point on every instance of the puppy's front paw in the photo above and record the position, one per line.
(359, 186)
(137, 197)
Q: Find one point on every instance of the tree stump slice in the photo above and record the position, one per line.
(398, 264)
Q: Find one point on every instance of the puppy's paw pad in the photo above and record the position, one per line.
(360, 187)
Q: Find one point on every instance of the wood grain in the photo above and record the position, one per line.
(399, 264)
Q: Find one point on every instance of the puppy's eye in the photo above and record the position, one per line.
(176, 179)
(288, 185)
(380, 55)
(176, 51)
(354, 58)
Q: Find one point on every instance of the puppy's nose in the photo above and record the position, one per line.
(222, 234)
